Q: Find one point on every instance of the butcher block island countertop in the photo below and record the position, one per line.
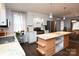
(52, 35)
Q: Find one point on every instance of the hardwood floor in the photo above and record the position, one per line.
(30, 49)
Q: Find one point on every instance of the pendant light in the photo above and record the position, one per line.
(64, 18)
(64, 13)
(51, 14)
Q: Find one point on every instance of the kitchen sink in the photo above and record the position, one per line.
(9, 39)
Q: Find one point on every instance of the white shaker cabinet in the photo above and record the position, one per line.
(2, 11)
(31, 36)
(2, 15)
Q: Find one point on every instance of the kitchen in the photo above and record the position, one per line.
(29, 23)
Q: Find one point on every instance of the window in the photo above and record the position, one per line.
(76, 26)
(19, 21)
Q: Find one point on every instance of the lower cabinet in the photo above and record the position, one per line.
(31, 37)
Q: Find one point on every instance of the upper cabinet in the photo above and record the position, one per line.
(3, 20)
(2, 11)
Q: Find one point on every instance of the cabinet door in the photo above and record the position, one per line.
(25, 36)
(32, 37)
(2, 12)
(66, 41)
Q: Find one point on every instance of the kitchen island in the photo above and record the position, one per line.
(51, 43)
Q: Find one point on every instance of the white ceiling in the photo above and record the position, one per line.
(57, 8)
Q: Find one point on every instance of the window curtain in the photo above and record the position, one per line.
(19, 21)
